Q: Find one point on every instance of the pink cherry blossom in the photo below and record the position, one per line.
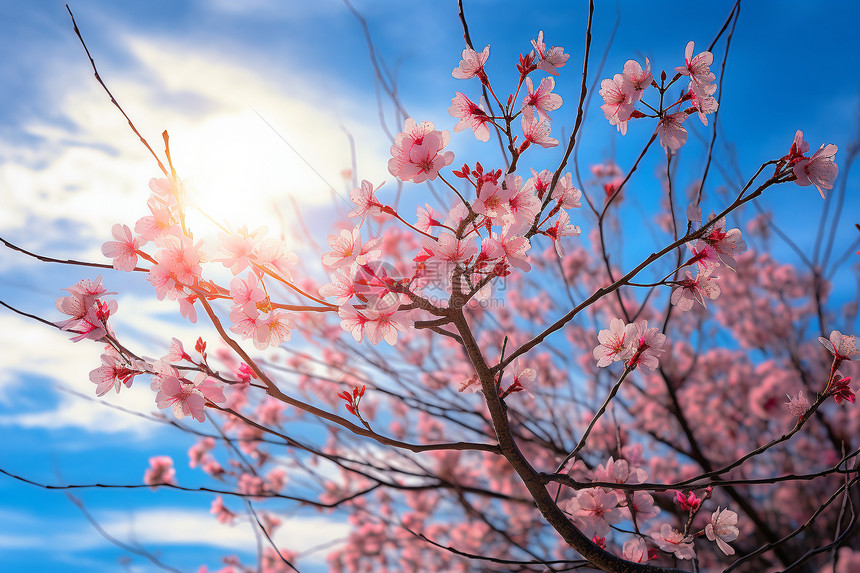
(596, 510)
(247, 290)
(365, 200)
(179, 264)
(187, 398)
(698, 289)
(697, 67)
(549, 60)
(273, 329)
(342, 286)
(637, 78)
(223, 514)
(514, 247)
(523, 203)
(722, 529)
(841, 346)
(164, 188)
(694, 213)
(89, 314)
(272, 254)
(250, 484)
(798, 147)
(417, 152)
(615, 343)
(620, 472)
(539, 183)
(535, 130)
(648, 346)
(797, 405)
(384, 323)
(115, 371)
(80, 302)
(673, 541)
(246, 319)
(450, 249)
(276, 480)
(641, 505)
(238, 248)
(493, 201)
(635, 550)
(567, 196)
(152, 226)
(819, 170)
(524, 378)
(617, 94)
(560, 229)
(176, 352)
(673, 135)
(352, 321)
(472, 64)
(471, 116)
(703, 104)
(428, 218)
(727, 244)
(94, 325)
(160, 471)
(178, 393)
(541, 99)
(705, 256)
(199, 452)
(123, 251)
(348, 250)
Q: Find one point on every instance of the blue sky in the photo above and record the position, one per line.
(208, 72)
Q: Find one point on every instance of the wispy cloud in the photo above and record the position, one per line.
(159, 527)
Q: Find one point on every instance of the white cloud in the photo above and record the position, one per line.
(34, 350)
(166, 526)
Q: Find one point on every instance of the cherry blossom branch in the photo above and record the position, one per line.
(45, 259)
(372, 50)
(112, 99)
(201, 489)
(531, 479)
(595, 418)
(476, 557)
(276, 393)
(468, 39)
(773, 545)
(737, 12)
(283, 281)
(580, 114)
(603, 291)
(697, 483)
(124, 546)
(268, 537)
(830, 546)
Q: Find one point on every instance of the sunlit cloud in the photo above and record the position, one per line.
(243, 143)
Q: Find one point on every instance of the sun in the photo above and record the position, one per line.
(239, 171)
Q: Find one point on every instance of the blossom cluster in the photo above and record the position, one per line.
(623, 91)
(634, 344)
(595, 510)
(819, 170)
(480, 238)
(88, 313)
(715, 248)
